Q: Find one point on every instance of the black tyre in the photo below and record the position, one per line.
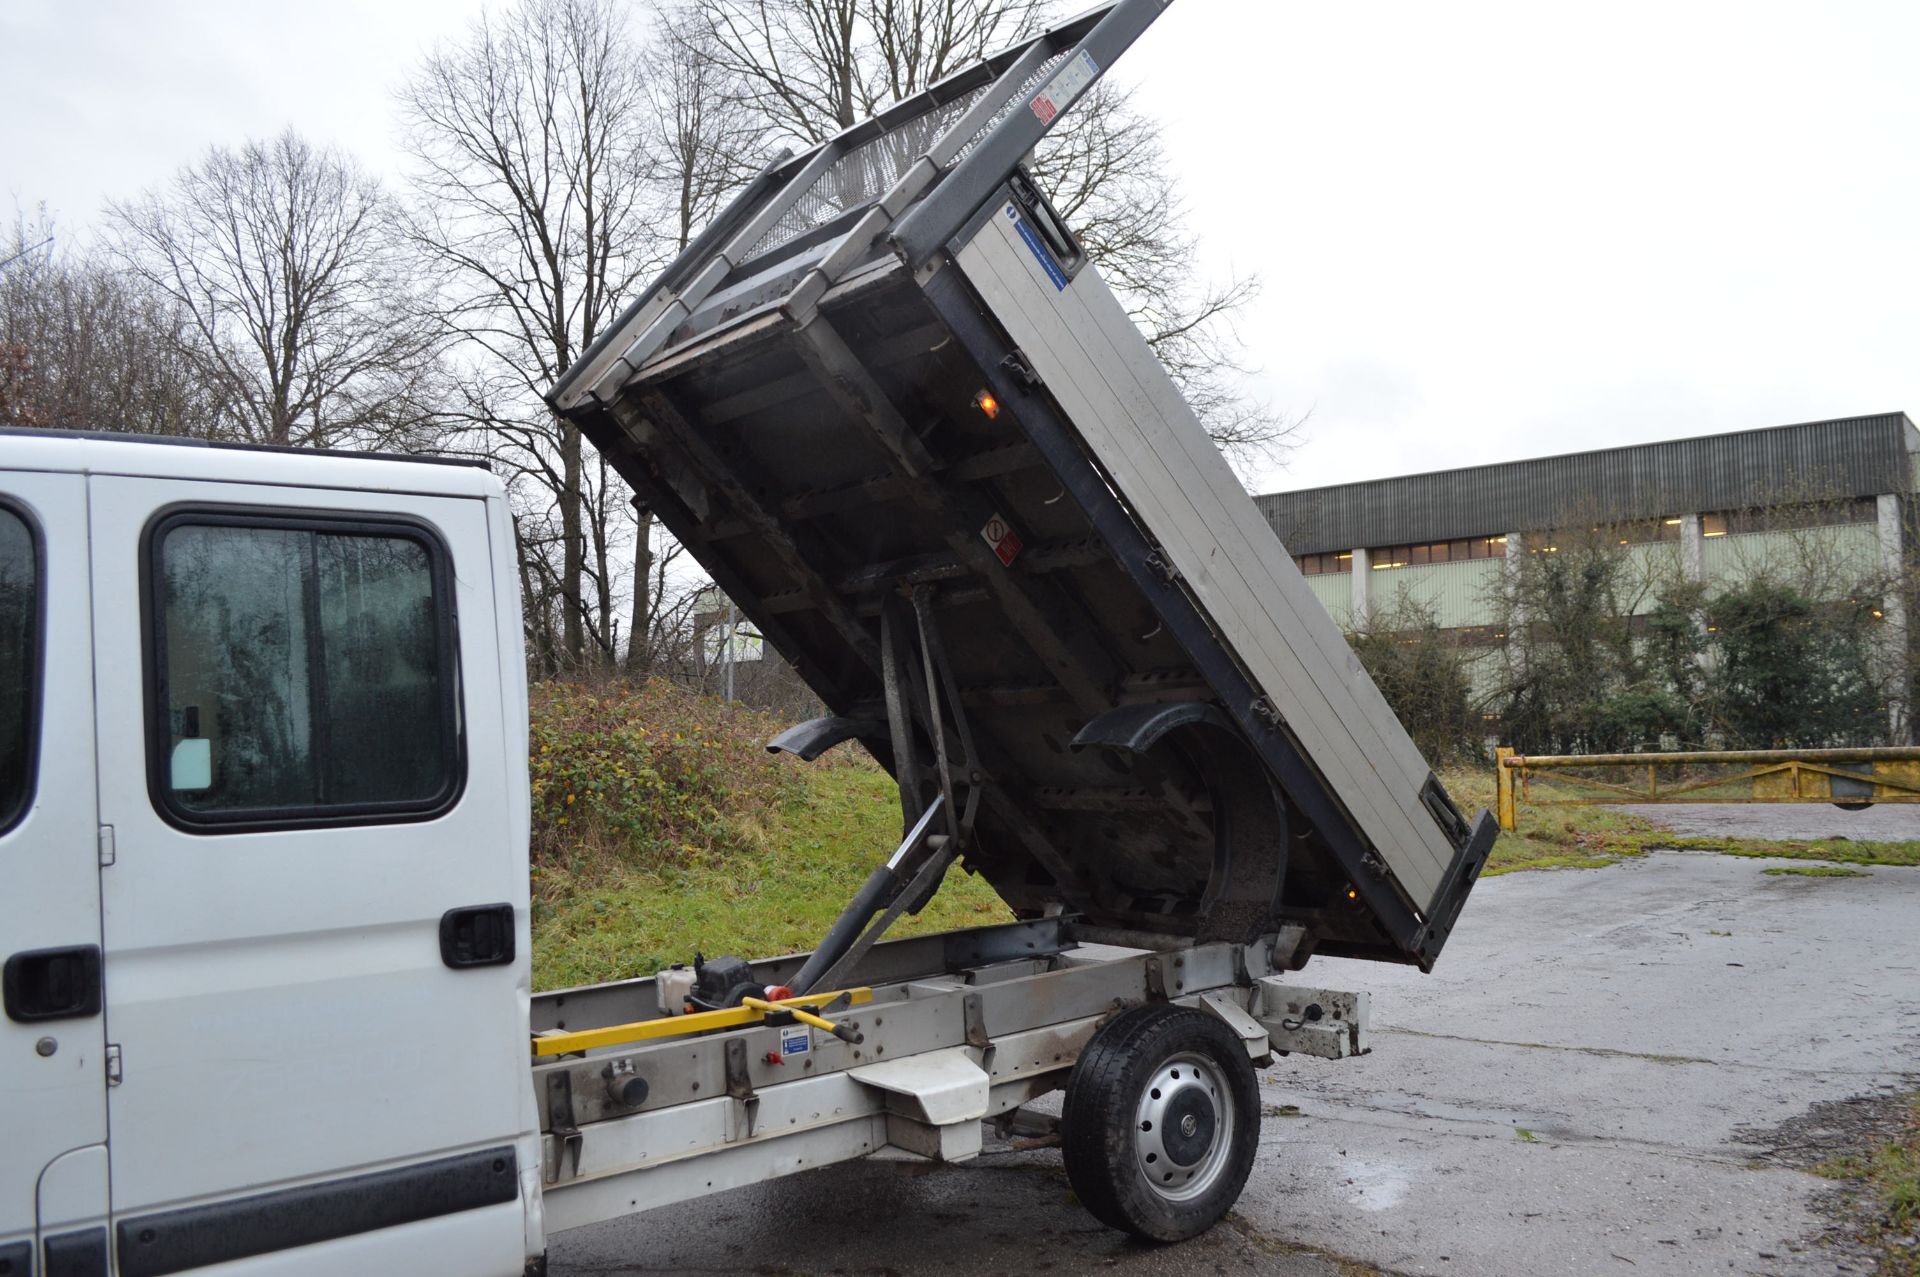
(1161, 1122)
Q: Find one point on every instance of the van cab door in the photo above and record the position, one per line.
(53, 1081)
(315, 924)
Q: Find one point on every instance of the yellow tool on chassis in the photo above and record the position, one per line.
(750, 1011)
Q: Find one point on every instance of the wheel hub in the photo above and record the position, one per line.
(1183, 1128)
(1190, 1121)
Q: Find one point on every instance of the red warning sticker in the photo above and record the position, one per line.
(1059, 93)
(1005, 541)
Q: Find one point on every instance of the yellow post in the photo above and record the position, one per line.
(1506, 808)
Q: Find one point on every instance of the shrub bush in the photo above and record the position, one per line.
(645, 775)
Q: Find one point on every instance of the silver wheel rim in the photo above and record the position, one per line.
(1171, 1115)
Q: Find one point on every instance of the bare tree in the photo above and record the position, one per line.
(533, 199)
(285, 262)
(703, 146)
(85, 347)
(809, 68)
(706, 141)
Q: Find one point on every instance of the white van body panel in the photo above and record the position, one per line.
(195, 462)
(281, 993)
(57, 1101)
(73, 1190)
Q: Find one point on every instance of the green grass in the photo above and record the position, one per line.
(1840, 849)
(799, 864)
(1816, 871)
(1552, 837)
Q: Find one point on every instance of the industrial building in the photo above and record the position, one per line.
(1713, 508)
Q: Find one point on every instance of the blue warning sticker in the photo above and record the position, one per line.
(795, 1039)
(1041, 253)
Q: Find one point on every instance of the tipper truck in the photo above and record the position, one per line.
(264, 798)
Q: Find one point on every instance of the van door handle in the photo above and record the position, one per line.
(477, 936)
(52, 984)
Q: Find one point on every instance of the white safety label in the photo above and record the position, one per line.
(1005, 541)
(795, 1039)
(1064, 87)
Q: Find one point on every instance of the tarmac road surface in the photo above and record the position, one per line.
(1580, 1087)
(1885, 822)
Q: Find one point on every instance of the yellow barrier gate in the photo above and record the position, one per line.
(1849, 778)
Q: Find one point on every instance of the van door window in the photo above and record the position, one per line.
(19, 664)
(304, 672)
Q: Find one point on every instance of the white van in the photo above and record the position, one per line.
(262, 731)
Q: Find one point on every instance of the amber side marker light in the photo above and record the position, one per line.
(988, 404)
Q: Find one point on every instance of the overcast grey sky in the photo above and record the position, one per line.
(1486, 230)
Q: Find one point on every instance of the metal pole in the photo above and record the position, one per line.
(727, 658)
(1862, 754)
(1506, 810)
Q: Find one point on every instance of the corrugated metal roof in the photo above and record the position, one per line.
(1811, 461)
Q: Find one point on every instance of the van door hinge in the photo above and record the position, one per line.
(106, 845)
(113, 1064)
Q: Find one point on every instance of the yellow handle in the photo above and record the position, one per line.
(806, 1017)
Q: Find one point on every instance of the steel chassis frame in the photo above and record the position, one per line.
(964, 1026)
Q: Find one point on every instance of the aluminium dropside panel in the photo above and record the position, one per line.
(1093, 360)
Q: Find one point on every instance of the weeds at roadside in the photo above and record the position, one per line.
(1885, 1182)
(1815, 871)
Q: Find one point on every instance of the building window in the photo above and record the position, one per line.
(19, 664)
(304, 671)
(1326, 564)
(1648, 531)
(1785, 518)
(1455, 551)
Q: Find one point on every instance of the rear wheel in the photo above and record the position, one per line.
(1161, 1123)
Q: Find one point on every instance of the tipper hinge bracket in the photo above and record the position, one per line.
(1021, 371)
(1156, 974)
(974, 1009)
(740, 1089)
